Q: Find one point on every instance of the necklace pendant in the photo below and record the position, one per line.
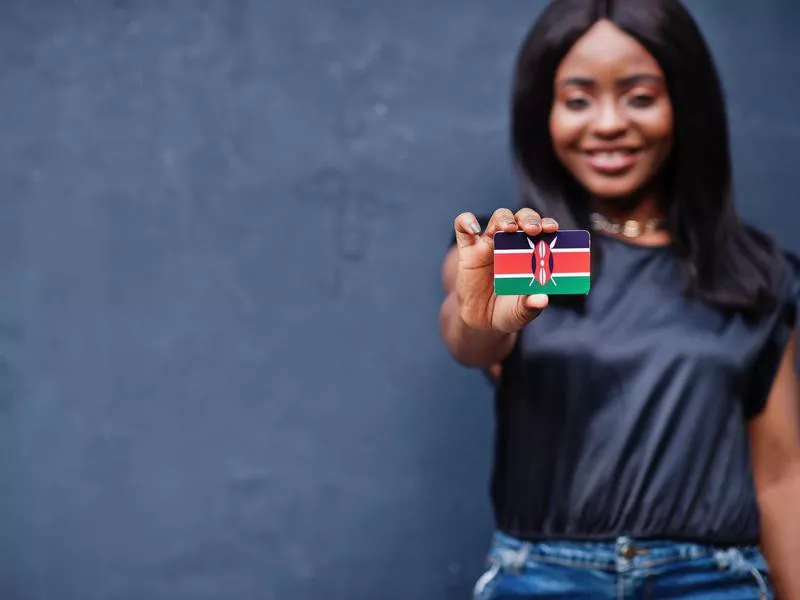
(631, 229)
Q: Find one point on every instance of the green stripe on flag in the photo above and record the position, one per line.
(521, 286)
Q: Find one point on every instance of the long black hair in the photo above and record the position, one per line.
(724, 262)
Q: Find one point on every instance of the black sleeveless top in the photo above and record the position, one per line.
(629, 417)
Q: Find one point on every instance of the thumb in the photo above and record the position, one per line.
(527, 308)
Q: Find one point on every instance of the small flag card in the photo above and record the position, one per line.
(549, 263)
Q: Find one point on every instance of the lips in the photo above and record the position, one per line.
(612, 161)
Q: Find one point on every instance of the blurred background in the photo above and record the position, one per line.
(221, 232)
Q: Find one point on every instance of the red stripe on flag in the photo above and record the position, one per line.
(563, 262)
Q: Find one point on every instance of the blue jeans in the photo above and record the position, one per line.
(623, 569)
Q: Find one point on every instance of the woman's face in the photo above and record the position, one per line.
(611, 119)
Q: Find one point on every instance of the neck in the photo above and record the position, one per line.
(640, 209)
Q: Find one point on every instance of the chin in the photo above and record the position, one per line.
(610, 189)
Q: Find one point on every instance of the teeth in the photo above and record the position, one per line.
(614, 154)
(610, 159)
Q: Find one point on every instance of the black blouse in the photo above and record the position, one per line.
(629, 416)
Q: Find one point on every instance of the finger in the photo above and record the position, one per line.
(502, 220)
(549, 225)
(529, 221)
(524, 310)
(537, 301)
(467, 229)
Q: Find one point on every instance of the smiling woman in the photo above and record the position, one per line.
(648, 437)
(637, 78)
(611, 121)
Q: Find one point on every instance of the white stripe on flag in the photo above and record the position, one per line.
(555, 275)
(529, 251)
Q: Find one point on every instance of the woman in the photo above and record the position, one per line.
(647, 435)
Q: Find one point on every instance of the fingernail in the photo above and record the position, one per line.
(534, 222)
(509, 222)
(549, 221)
(474, 227)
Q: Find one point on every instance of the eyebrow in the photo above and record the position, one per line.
(624, 82)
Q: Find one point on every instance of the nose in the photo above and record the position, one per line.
(610, 122)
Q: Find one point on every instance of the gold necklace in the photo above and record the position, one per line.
(630, 228)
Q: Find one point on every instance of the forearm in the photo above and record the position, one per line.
(779, 505)
(471, 347)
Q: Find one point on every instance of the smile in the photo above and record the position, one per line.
(611, 162)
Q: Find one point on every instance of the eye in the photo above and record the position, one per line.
(576, 103)
(641, 100)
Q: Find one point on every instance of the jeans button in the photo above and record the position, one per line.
(627, 551)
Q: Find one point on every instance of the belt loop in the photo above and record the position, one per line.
(725, 559)
(517, 562)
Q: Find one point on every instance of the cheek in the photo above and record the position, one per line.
(565, 129)
(658, 129)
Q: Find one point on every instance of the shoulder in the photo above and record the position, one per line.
(781, 261)
(791, 276)
(775, 330)
(793, 271)
(792, 284)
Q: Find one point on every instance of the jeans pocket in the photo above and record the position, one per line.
(760, 569)
(485, 583)
(751, 563)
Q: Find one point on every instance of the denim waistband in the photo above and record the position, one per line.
(621, 554)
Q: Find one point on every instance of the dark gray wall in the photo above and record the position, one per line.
(220, 239)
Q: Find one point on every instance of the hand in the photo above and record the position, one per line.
(481, 308)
